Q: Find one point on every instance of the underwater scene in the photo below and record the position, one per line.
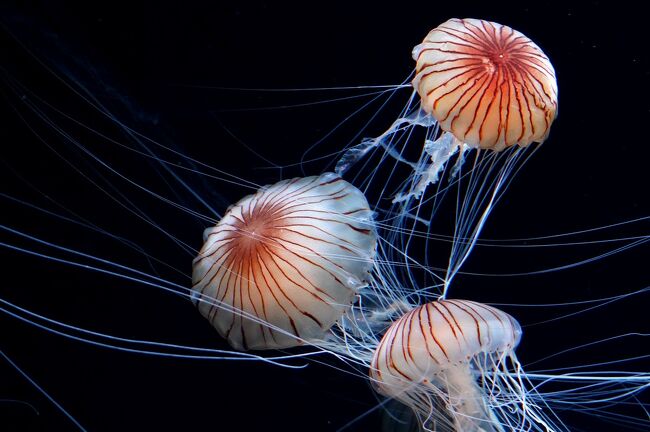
(418, 216)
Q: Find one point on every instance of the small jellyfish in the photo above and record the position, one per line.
(453, 363)
(284, 264)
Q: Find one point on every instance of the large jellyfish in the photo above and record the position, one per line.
(285, 264)
(482, 86)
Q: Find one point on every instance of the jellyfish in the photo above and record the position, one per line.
(482, 86)
(284, 264)
(485, 83)
(453, 363)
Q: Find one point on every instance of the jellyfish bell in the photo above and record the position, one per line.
(284, 264)
(486, 83)
(453, 363)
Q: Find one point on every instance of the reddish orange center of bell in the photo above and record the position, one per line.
(499, 57)
(256, 228)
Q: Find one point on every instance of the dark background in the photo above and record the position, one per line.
(162, 70)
